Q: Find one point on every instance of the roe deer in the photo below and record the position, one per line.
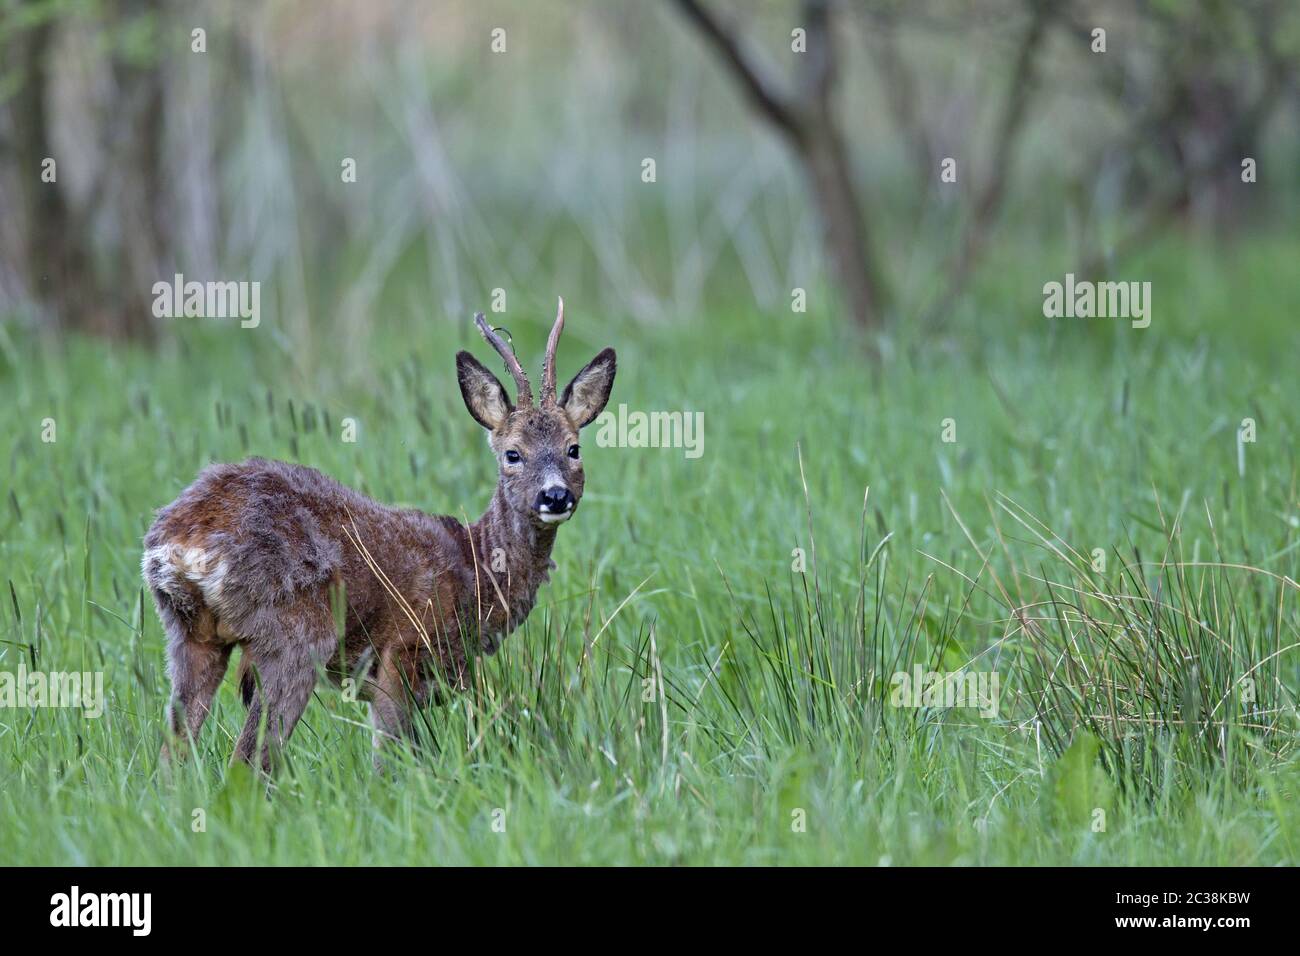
(253, 555)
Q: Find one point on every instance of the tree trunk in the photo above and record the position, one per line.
(845, 233)
(86, 266)
(51, 267)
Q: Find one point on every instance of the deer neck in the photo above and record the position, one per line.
(514, 559)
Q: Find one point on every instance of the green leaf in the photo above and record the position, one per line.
(1077, 785)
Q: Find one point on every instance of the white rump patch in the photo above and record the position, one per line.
(194, 564)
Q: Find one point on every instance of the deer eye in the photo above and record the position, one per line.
(573, 451)
(513, 457)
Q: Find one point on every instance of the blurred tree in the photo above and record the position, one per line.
(805, 117)
(84, 261)
(1198, 85)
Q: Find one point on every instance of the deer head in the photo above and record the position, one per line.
(537, 449)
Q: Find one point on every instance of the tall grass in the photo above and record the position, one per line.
(681, 693)
(1174, 665)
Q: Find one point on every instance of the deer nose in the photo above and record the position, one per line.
(555, 500)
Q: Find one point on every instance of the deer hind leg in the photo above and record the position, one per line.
(278, 683)
(196, 664)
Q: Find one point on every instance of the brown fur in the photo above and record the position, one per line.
(251, 554)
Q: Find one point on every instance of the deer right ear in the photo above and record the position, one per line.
(485, 397)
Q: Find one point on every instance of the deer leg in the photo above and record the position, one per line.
(196, 666)
(281, 683)
(396, 690)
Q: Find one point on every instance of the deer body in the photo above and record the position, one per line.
(260, 554)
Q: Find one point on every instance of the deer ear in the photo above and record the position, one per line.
(584, 398)
(485, 397)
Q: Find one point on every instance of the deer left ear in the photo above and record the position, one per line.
(584, 398)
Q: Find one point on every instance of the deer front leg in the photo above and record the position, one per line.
(399, 687)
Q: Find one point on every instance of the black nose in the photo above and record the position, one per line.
(555, 500)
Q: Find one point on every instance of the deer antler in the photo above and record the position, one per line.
(548, 363)
(524, 391)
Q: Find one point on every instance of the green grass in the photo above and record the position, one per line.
(770, 690)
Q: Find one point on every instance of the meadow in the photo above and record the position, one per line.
(708, 676)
